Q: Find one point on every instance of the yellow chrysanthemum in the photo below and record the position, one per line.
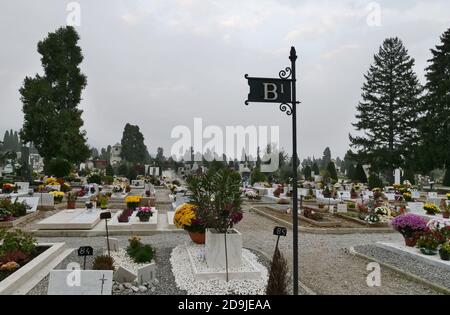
(184, 215)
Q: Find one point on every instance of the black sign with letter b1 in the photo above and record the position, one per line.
(267, 90)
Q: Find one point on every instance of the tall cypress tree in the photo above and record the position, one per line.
(435, 125)
(50, 102)
(388, 112)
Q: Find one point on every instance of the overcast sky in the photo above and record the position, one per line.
(160, 63)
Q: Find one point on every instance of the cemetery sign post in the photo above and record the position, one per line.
(283, 90)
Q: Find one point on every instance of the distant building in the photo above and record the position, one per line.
(116, 150)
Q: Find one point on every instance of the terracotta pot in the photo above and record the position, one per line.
(70, 204)
(446, 215)
(197, 237)
(410, 241)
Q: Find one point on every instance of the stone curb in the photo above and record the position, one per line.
(81, 233)
(338, 231)
(408, 275)
(14, 283)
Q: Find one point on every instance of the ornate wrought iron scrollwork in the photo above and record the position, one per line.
(286, 108)
(286, 73)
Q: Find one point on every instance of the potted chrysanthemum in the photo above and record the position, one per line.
(144, 213)
(410, 226)
(431, 209)
(133, 202)
(188, 218)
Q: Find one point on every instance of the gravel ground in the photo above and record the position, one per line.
(324, 263)
(431, 273)
(161, 242)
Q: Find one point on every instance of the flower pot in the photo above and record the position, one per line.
(144, 219)
(197, 237)
(446, 215)
(71, 205)
(428, 252)
(444, 255)
(410, 241)
(215, 248)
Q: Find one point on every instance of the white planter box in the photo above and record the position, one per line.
(215, 249)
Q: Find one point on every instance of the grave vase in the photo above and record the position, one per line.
(197, 237)
(215, 248)
(70, 205)
(410, 241)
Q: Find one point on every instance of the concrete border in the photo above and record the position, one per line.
(21, 281)
(338, 231)
(404, 273)
(98, 233)
(25, 219)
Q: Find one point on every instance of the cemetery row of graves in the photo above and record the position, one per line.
(208, 208)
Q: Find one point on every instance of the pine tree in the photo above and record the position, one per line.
(326, 158)
(315, 169)
(133, 148)
(359, 175)
(307, 172)
(52, 120)
(435, 125)
(388, 112)
(331, 168)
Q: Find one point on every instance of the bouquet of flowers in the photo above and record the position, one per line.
(144, 213)
(133, 201)
(57, 196)
(117, 189)
(252, 195)
(383, 211)
(448, 196)
(407, 196)
(372, 218)
(65, 187)
(187, 218)
(431, 208)
(409, 225)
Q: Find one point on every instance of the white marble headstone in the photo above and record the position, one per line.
(80, 282)
(390, 196)
(22, 187)
(33, 202)
(146, 273)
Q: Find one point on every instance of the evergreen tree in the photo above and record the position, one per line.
(315, 169)
(307, 172)
(446, 181)
(133, 148)
(326, 159)
(375, 181)
(331, 168)
(52, 120)
(359, 174)
(388, 113)
(279, 279)
(109, 170)
(435, 125)
(6, 141)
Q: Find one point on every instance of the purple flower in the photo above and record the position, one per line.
(236, 217)
(409, 224)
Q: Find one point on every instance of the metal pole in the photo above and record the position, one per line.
(293, 58)
(226, 255)
(107, 237)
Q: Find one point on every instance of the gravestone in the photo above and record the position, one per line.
(123, 275)
(416, 207)
(319, 194)
(113, 244)
(415, 194)
(397, 176)
(33, 202)
(138, 183)
(303, 192)
(432, 195)
(22, 187)
(80, 282)
(344, 194)
(390, 196)
(46, 200)
(146, 273)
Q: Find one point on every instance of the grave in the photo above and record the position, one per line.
(134, 223)
(80, 282)
(123, 275)
(78, 219)
(22, 187)
(201, 271)
(170, 215)
(33, 202)
(147, 273)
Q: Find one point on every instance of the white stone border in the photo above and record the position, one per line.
(185, 280)
(14, 283)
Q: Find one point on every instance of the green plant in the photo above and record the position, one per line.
(428, 240)
(278, 276)
(139, 252)
(217, 197)
(351, 205)
(72, 197)
(16, 245)
(94, 179)
(446, 247)
(108, 180)
(103, 262)
(18, 209)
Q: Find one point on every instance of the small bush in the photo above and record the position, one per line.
(59, 167)
(279, 275)
(139, 252)
(103, 263)
(95, 179)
